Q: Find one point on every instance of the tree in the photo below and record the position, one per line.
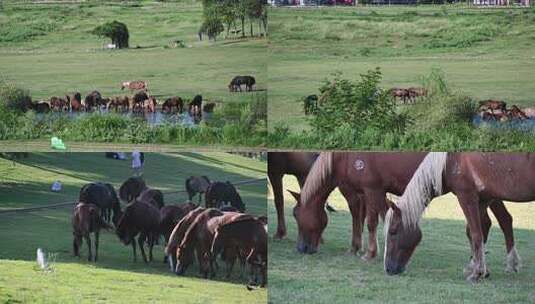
(116, 31)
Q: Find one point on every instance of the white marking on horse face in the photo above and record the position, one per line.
(359, 164)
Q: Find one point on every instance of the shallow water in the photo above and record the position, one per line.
(517, 124)
(153, 119)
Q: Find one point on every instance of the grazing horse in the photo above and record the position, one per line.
(195, 105)
(297, 164)
(152, 196)
(401, 93)
(415, 92)
(198, 238)
(370, 176)
(197, 184)
(139, 101)
(492, 105)
(177, 235)
(150, 105)
(238, 81)
(104, 196)
(75, 101)
(310, 104)
(134, 85)
(92, 100)
(220, 194)
(242, 234)
(143, 219)
(131, 188)
(86, 219)
(516, 113)
(170, 215)
(41, 107)
(59, 104)
(173, 103)
(476, 179)
(530, 112)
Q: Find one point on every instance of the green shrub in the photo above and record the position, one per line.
(116, 31)
(14, 98)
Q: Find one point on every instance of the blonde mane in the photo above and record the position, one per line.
(319, 174)
(425, 184)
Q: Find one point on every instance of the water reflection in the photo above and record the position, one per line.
(517, 124)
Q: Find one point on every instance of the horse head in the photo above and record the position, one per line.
(400, 241)
(311, 221)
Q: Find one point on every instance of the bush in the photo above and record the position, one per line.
(357, 104)
(15, 98)
(116, 31)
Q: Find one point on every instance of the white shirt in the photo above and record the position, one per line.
(136, 160)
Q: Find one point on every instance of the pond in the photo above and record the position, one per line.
(154, 119)
(516, 124)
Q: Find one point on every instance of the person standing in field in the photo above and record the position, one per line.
(138, 159)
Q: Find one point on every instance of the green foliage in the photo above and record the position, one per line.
(116, 31)
(14, 98)
(356, 105)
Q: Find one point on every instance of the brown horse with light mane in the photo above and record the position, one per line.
(476, 179)
(371, 175)
(297, 164)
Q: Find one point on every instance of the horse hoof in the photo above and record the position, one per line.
(367, 258)
(280, 235)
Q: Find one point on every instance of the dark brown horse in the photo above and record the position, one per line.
(86, 219)
(197, 184)
(222, 194)
(243, 234)
(173, 103)
(198, 238)
(143, 219)
(477, 179)
(104, 196)
(131, 188)
(177, 236)
(297, 164)
(170, 215)
(152, 196)
(371, 176)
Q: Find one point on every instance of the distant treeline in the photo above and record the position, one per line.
(233, 15)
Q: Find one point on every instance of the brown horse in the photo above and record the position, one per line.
(170, 215)
(198, 238)
(371, 176)
(143, 219)
(152, 196)
(492, 105)
(400, 93)
(86, 219)
(177, 236)
(242, 234)
(131, 188)
(173, 103)
(297, 164)
(75, 101)
(476, 179)
(150, 105)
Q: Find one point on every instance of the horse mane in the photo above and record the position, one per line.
(318, 176)
(179, 228)
(425, 184)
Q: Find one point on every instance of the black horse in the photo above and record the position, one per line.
(197, 184)
(220, 194)
(104, 196)
(131, 188)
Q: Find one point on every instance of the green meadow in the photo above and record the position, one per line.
(434, 274)
(115, 278)
(483, 53)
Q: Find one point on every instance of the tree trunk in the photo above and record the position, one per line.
(251, 26)
(243, 26)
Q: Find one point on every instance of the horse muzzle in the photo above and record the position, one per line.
(306, 248)
(392, 268)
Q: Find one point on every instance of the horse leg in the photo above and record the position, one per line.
(134, 249)
(471, 206)
(374, 202)
(88, 241)
(276, 183)
(141, 241)
(96, 244)
(151, 244)
(76, 243)
(356, 208)
(505, 220)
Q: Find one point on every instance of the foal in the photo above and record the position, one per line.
(86, 219)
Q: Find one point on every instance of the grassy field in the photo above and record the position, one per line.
(47, 48)
(433, 276)
(114, 278)
(484, 53)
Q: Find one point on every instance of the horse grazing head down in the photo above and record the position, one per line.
(400, 241)
(310, 224)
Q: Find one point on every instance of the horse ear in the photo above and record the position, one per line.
(296, 195)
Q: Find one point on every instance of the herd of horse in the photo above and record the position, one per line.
(218, 230)
(496, 110)
(480, 181)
